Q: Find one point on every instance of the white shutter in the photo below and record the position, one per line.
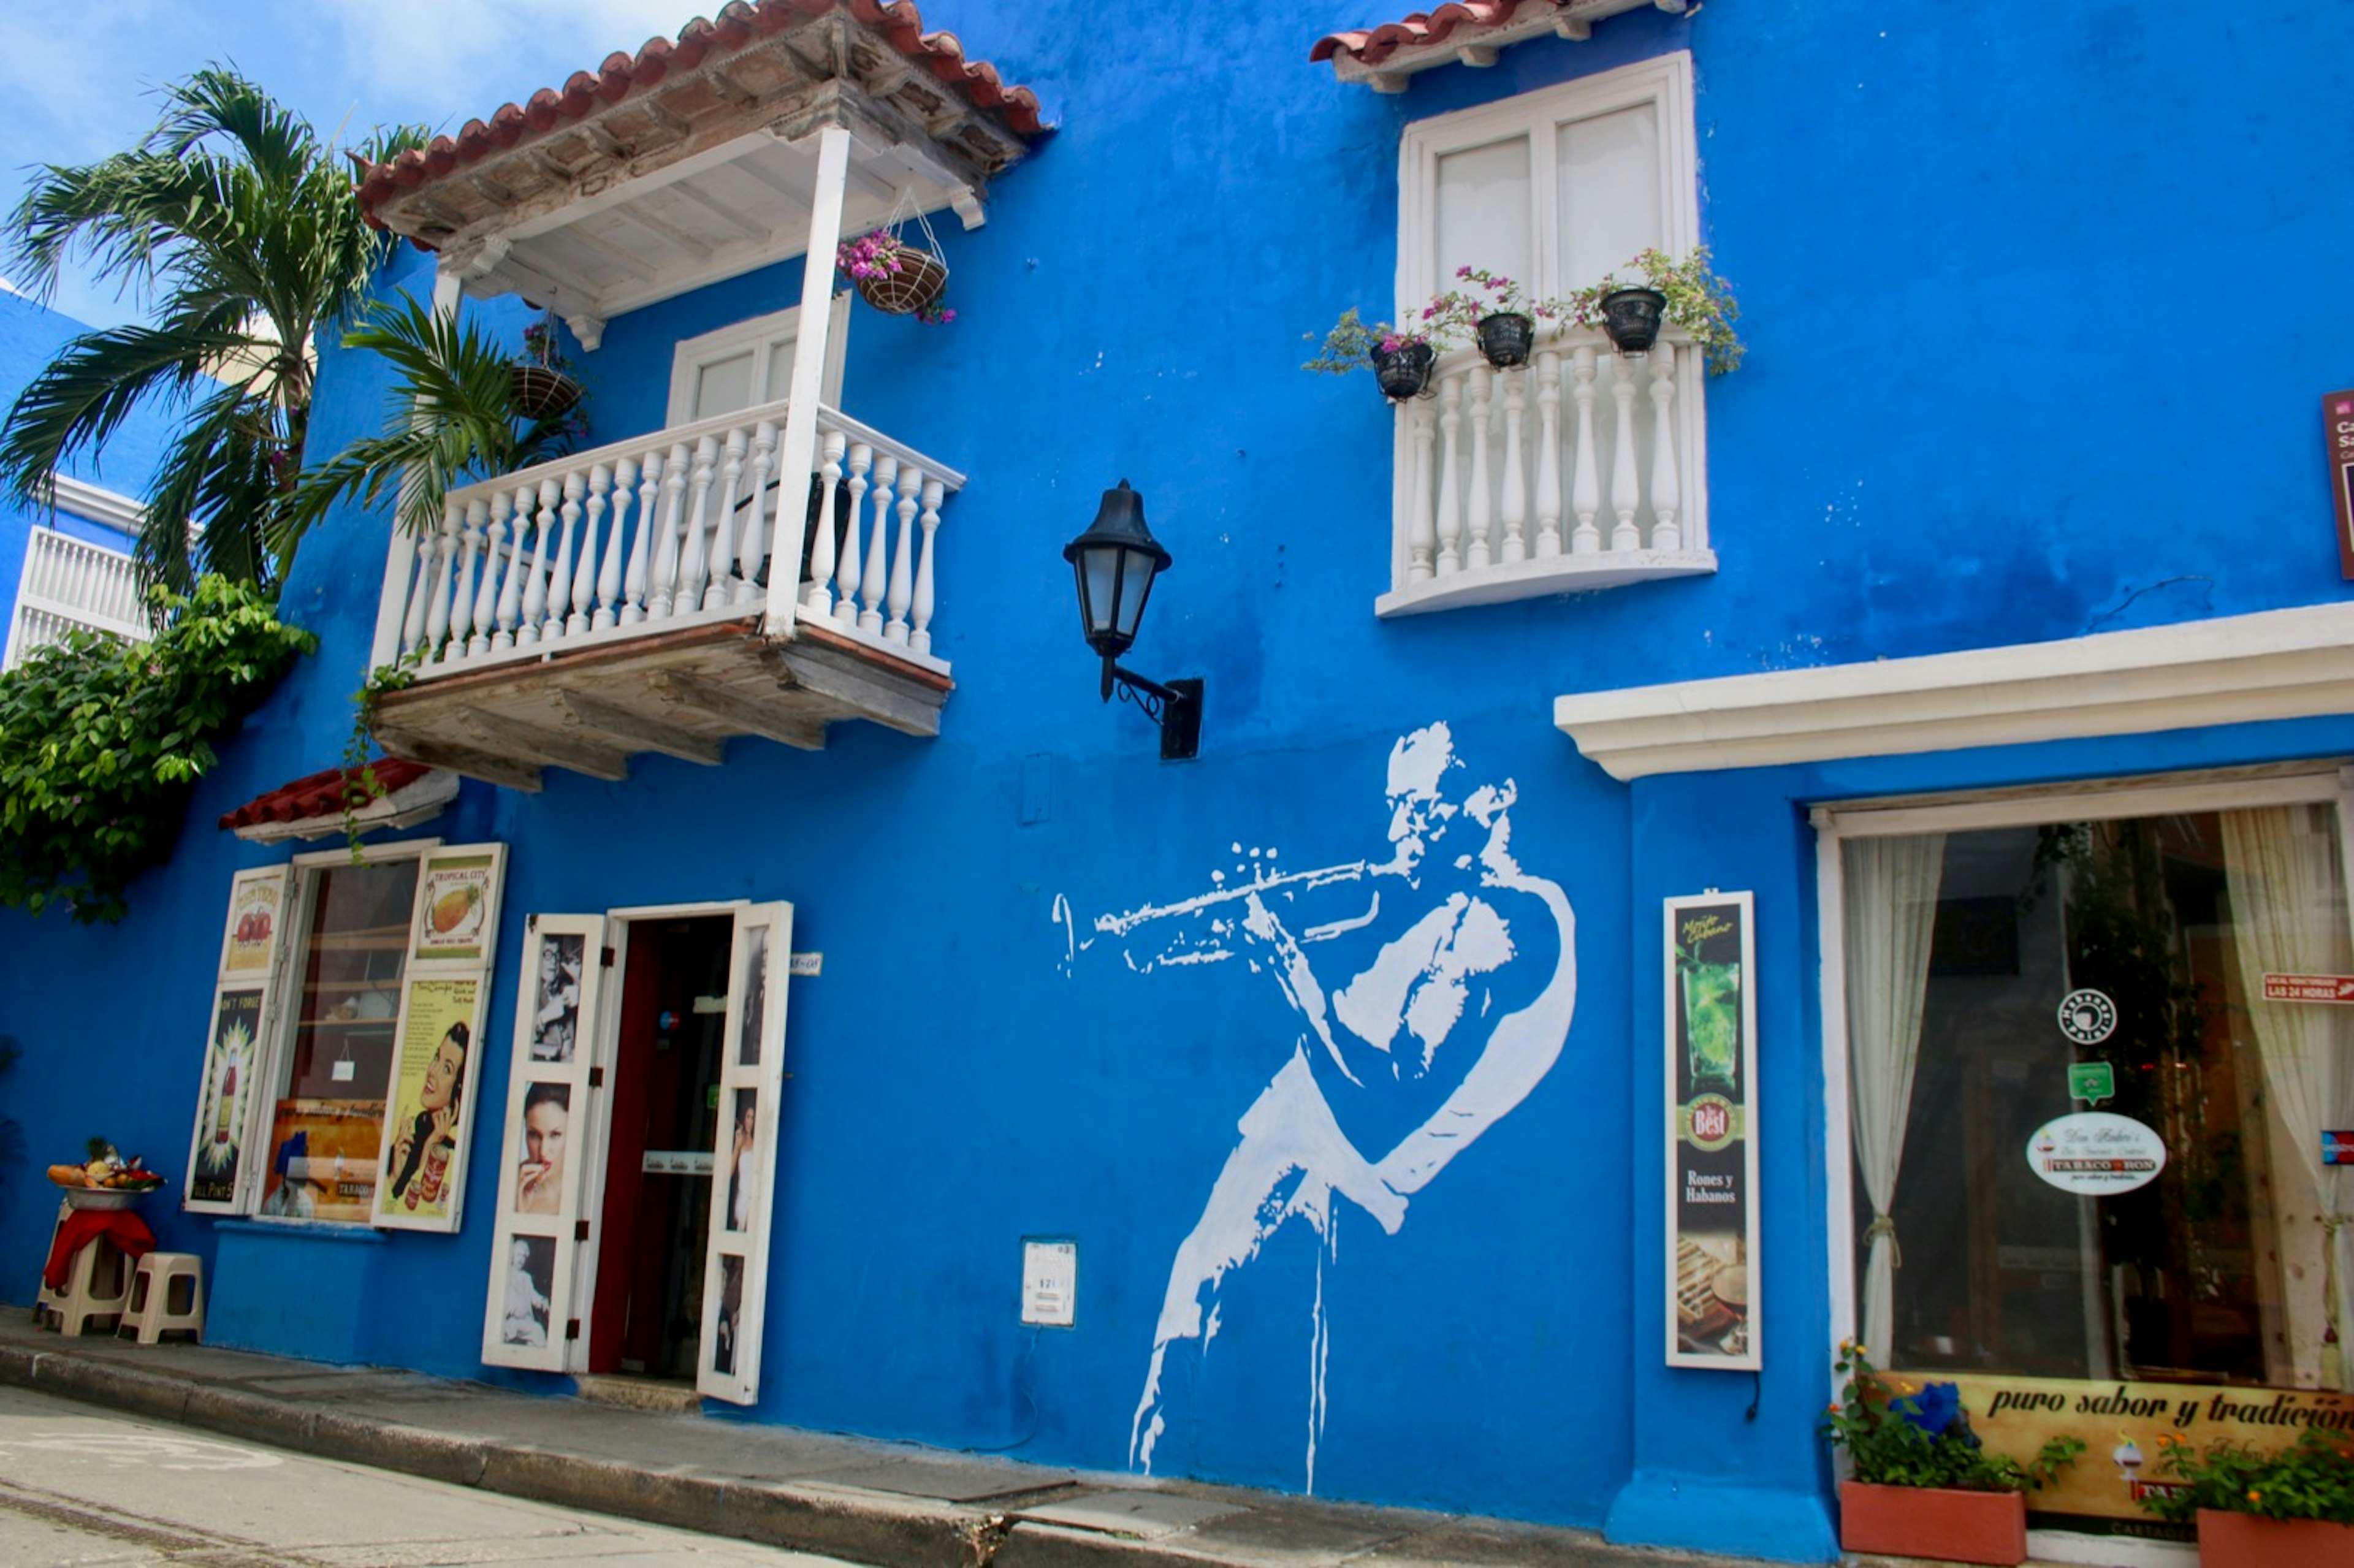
(743, 1168)
(545, 1144)
(223, 1156)
(452, 938)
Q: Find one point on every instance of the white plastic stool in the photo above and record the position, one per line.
(151, 1311)
(46, 1302)
(98, 1286)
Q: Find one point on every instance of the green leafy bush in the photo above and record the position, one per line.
(1900, 1435)
(100, 741)
(2312, 1479)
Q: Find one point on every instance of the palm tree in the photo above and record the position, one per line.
(238, 231)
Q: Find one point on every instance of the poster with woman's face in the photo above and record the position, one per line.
(755, 996)
(427, 1121)
(546, 1132)
(743, 1172)
(530, 1279)
(555, 998)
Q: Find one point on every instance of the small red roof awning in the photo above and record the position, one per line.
(318, 795)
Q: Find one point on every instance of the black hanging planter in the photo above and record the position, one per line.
(1506, 338)
(1631, 317)
(1403, 371)
(541, 393)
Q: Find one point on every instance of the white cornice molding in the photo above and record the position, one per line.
(109, 508)
(2275, 664)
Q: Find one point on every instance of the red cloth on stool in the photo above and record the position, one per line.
(126, 1230)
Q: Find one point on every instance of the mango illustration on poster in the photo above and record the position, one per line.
(1440, 978)
(452, 906)
(429, 1084)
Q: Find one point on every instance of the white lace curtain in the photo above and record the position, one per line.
(2289, 917)
(1891, 912)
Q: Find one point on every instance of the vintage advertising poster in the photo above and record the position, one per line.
(222, 1098)
(425, 1132)
(1712, 1068)
(252, 938)
(453, 906)
(322, 1160)
(2121, 1424)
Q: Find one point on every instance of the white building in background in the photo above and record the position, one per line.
(76, 573)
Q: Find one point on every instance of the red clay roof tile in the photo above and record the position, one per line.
(1374, 45)
(318, 794)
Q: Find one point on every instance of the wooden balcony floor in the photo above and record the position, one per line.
(684, 693)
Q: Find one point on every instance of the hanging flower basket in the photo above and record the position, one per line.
(894, 273)
(1632, 317)
(1506, 338)
(541, 392)
(1403, 371)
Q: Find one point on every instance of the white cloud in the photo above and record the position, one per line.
(448, 61)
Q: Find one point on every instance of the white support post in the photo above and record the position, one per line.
(797, 448)
(400, 554)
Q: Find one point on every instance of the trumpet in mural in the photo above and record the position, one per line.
(1425, 946)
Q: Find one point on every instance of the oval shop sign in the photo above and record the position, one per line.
(2098, 1153)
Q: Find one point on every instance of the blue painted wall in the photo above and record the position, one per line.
(2004, 385)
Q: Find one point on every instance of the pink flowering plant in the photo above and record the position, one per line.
(1478, 294)
(879, 254)
(1352, 343)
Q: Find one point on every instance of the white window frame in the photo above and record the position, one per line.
(759, 335)
(2318, 783)
(1666, 84)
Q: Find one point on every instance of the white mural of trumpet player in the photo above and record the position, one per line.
(1425, 1010)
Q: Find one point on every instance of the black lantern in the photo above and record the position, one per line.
(1115, 562)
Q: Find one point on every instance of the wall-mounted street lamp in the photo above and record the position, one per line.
(1115, 562)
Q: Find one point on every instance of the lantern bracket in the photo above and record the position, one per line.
(1176, 707)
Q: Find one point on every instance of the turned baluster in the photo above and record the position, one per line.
(1586, 491)
(609, 480)
(1513, 509)
(534, 586)
(511, 591)
(1422, 528)
(723, 528)
(595, 484)
(421, 593)
(755, 546)
(1548, 454)
(692, 566)
(1480, 515)
(872, 586)
(846, 576)
(1626, 487)
(486, 597)
(665, 566)
(1450, 504)
(559, 582)
(920, 634)
(464, 609)
(903, 556)
(819, 596)
(1667, 491)
(642, 538)
(445, 585)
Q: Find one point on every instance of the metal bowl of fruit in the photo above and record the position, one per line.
(106, 1181)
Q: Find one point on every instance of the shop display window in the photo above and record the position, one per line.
(2087, 1146)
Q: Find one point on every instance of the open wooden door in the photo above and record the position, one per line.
(744, 1163)
(540, 1224)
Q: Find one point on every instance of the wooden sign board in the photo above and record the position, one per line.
(2338, 424)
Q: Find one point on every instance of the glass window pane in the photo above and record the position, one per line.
(723, 386)
(1609, 189)
(780, 369)
(1483, 210)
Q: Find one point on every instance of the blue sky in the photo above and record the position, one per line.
(74, 77)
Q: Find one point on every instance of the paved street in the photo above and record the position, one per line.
(79, 1487)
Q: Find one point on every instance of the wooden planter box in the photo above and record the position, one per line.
(1929, 1522)
(2244, 1540)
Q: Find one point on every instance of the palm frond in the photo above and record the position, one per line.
(83, 395)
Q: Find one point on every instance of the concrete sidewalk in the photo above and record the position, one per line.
(891, 1504)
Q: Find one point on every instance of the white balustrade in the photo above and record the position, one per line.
(68, 585)
(671, 529)
(1582, 451)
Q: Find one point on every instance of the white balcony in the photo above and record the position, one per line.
(624, 600)
(1584, 468)
(69, 585)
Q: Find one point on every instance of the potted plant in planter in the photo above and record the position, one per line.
(1631, 303)
(1401, 357)
(896, 277)
(2258, 1510)
(1923, 1486)
(1494, 313)
(541, 380)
